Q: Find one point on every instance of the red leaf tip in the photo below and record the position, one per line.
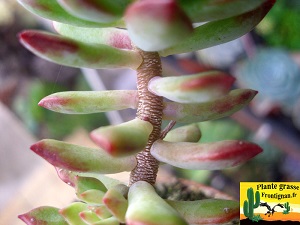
(26, 218)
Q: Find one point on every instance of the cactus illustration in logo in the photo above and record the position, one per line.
(287, 208)
(249, 205)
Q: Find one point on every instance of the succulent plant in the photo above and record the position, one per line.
(136, 34)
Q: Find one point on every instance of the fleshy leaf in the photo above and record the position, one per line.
(207, 211)
(146, 207)
(108, 221)
(124, 139)
(192, 88)
(103, 11)
(204, 156)
(81, 159)
(107, 181)
(71, 213)
(220, 31)
(87, 183)
(91, 196)
(208, 10)
(156, 25)
(45, 215)
(101, 211)
(89, 217)
(53, 11)
(116, 204)
(215, 109)
(114, 37)
(82, 102)
(73, 53)
(187, 133)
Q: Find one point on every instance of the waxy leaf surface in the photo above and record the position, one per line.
(124, 139)
(220, 31)
(53, 11)
(68, 52)
(146, 207)
(45, 215)
(103, 11)
(208, 10)
(83, 102)
(215, 109)
(81, 159)
(204, 156)
(116, 204)
(71, 213)
(113, 37)
(156, 25)
(192, 88)
(208, 211)
(187, 133)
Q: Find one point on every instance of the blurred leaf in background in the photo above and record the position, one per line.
(281, 26)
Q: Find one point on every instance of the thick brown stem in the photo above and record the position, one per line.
(149, 109)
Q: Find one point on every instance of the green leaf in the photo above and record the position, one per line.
(53, 11)
(147, 208)
(89, 217)
(204, 156)
(208, 10)
(101, 211)
(193, 88)
(188, 133)
(81, 159)
(83, 184)
(108, 221)
(83, 102)
(215, 109)
(116, 204)
(103, 11)
(208, 211)
(124, 139)
(114, 37)
(73, 53)
(92, 196)
(45, 215)
(71, 213)
(220, 31)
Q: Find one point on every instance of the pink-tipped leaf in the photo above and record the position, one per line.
(116, 204)
(208, 211)
(71, 213)
(192, 88)
(83, 102)
(113, 37)
(156, 25)
(215, 109)
(220, 31)
(81, 159)
(68, 52)
(124, 139)
(101, 211)
(89, 217)
(45, 215)
(92, 196)
(204, 156)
